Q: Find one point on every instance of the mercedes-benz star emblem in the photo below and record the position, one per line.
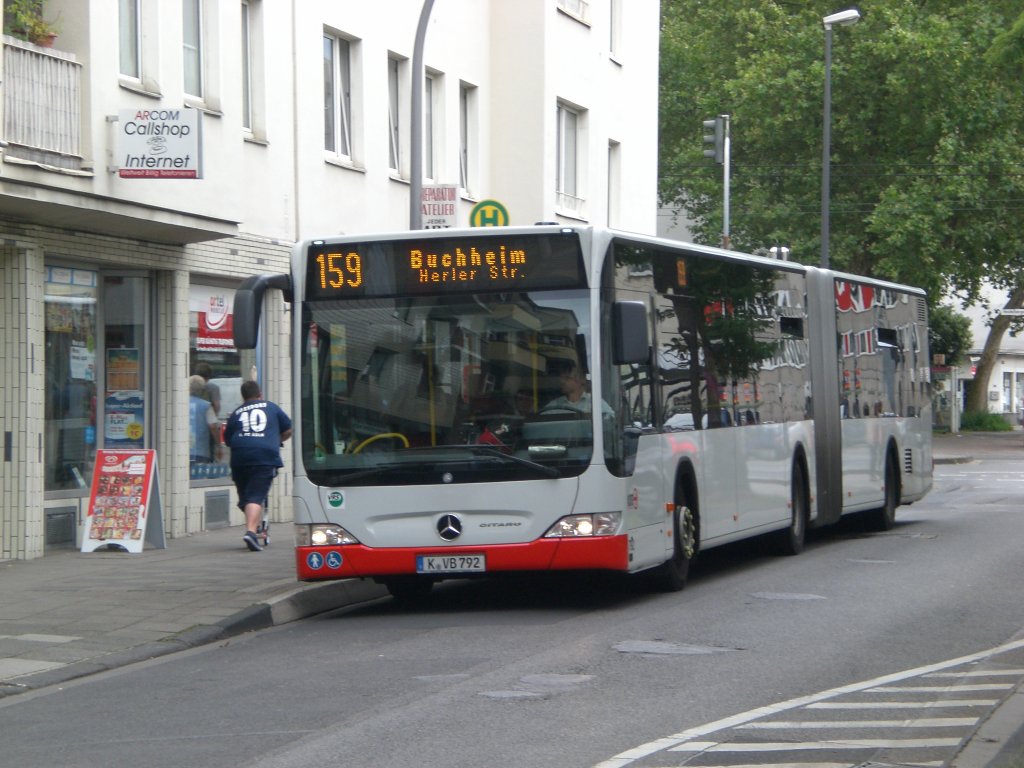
(449, 527)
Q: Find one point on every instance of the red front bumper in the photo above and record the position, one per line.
(358, 561)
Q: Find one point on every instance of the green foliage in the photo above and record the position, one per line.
(24, 19)
(983, 421)
(927, 133)
(949, 334)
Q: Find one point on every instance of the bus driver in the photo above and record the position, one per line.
(575, 395)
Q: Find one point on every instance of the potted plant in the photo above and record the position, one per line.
(24, 19)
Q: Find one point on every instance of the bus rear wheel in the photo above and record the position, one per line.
(884, 518)
(671, 575)
(791, 540)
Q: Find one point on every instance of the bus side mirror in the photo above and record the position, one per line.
(249, 304)
(630, 342)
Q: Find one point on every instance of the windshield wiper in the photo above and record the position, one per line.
(491, 451)
(497, 453)
(344, 478)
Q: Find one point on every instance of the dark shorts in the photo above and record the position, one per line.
(253, 484)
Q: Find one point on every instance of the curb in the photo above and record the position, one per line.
(999, 741)
(953, 460)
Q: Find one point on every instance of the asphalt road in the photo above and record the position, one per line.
(867, 647)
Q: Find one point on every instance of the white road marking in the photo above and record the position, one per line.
(787, 746)
(904, 704)
(669, 742)
(941, 688)
(980, 673)
(927, 722)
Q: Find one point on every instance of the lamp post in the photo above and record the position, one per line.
(843, 18)
(416, 121)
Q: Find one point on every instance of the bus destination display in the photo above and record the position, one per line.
(444, 264)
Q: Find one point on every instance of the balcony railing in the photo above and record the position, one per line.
(42, 104)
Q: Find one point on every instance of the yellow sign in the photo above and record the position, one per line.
(488, 213)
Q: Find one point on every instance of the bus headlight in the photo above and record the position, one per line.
(598, 524)
(322, 535)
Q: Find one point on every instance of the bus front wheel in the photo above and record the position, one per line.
(671, 575)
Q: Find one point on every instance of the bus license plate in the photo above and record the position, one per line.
(451, 563)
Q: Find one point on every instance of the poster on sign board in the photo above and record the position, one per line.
(211, 310)
(124, 505)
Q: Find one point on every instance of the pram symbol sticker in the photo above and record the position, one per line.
(315, 561)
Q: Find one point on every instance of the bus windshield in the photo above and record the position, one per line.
(453, 388)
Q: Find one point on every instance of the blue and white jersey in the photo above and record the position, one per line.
(253, 433)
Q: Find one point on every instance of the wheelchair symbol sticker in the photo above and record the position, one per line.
(315, 561)
(334, 559)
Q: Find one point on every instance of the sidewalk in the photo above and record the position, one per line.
(69, 614)
(967, 446)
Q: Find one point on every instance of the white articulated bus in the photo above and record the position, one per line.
(545, 398)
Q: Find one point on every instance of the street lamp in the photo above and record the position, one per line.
(416, 121)
(843, 18)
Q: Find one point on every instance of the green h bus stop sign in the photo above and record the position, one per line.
(488, 213)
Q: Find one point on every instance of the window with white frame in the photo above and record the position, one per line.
(192, 46)
(338, 96)
(467, 111)
(567, 154)
(129, 36)
(247, 63)
(433, 125)
(614, 26)
(580, 9)
(254, 97)
(614, 181)
(138, 36)
(394, 116)
(429, 92)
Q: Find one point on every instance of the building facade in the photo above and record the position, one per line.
(160, 152)
(1005, 390)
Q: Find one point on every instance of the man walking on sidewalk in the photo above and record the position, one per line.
(255, 432)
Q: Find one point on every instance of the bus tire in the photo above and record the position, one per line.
(884, 518)
(409, 587)
(791, 539)
(671, 575)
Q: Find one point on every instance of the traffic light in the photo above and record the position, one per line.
(716, 137)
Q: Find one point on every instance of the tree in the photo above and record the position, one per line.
(977, 392)
(1006, 55)
(949, 334)
(927, 135)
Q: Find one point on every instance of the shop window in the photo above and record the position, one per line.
(125, 309)
(222, 368)
(70, 366)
